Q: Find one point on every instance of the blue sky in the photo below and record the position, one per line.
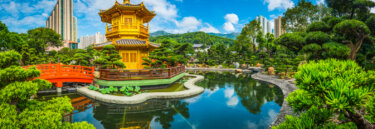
(174, 16)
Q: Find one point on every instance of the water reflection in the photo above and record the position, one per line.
(229, 101)
(253, 93)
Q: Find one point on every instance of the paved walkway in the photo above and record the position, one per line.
(256, 69)
(286, 87)
(192, 90)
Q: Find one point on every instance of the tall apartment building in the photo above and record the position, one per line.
(265, 24)
(90, 40)
(278, 27)
(62, 20)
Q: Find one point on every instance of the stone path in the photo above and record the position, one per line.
(192, 90)
(286, 87)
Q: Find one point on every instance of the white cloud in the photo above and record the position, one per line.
(320, 2)
(162, 8)
(232, 100)
(231, 20)
(209, 29)
(187, 24)
(11, 8)
(279, 4)
(23, 15)
(228, 93)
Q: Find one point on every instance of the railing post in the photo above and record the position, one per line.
(92, 71)
(58, 69)
(169, 72)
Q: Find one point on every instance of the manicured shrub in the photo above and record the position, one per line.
(317, 37)
(335, 50)
(330, 88)
(91, 87)
(318, 26)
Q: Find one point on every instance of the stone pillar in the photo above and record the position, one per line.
(59, 89)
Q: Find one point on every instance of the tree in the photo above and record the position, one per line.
(82, 57)
(313, 51)
(297, 19)
(354, 32)
(169, 54)
(335, 50)
(41, 38)
(350, 8)
(292, 41)
(371, 24)
(318, 26)
(317, 37)
(332, 94)
(109, 58)
(18, 110)
(247, 37)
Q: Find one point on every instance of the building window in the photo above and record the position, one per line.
(133, 57)
(125, 57)
(128, 21)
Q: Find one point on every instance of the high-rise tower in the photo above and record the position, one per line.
(265, 24)
(278, 27)
(62, 20)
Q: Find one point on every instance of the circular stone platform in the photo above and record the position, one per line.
(192, 90)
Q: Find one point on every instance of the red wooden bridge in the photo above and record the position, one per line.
(58, 73)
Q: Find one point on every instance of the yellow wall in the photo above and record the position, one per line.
(133, 58)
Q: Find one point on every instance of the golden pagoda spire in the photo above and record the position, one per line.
(126, 2)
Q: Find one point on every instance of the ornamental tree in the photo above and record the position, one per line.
(82, 57)
(17, 110)
(318, 26)
(293, 41)
(109, 58)
(41, 38)
(169, 54)
(371, 24)
(317, 37)
(354, 32)
(335, 50)
(332, 94)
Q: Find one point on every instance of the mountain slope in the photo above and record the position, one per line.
(159, 33)
(230, 35)
(195, 38)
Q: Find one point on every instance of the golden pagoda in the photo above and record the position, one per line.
(127, 29)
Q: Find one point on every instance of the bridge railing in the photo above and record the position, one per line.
(140, 74)
(50, 71)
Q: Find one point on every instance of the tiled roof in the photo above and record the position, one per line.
(103, 44)
(130, 4)
(197, 45)
(155, 44)
(130, 42)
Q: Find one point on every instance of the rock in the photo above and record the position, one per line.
(271, 71)
(97, 74)
(238, 70)
(220, 66)
(236, 65)
(258, 65)
(244, 66)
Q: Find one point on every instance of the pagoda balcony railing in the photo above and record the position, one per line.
(140, 74)
(128, 26)
(119, 27)
(144, 29)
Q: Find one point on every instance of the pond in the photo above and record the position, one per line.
(230, 101)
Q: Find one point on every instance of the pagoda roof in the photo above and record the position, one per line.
(129, 42)
(139, 8)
